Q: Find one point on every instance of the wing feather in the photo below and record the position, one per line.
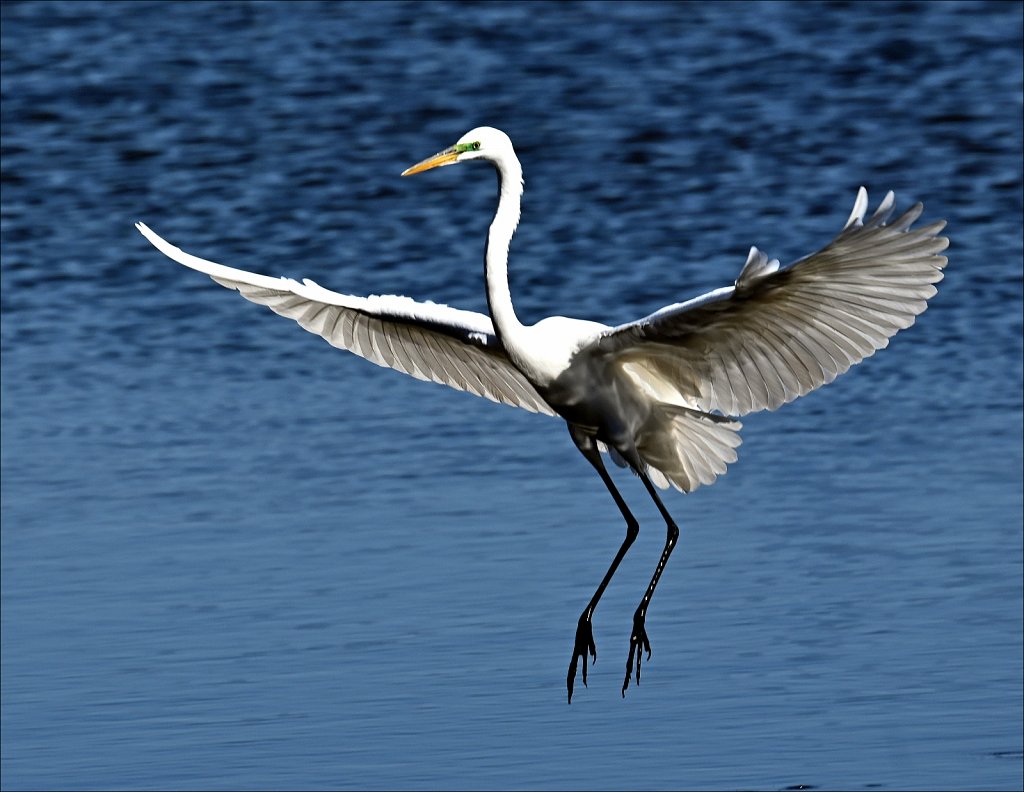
(779, 333)
(424, 340)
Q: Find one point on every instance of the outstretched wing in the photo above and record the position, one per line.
(425, 340)
(779, 333)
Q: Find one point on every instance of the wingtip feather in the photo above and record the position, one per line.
(860, 206)
(883, 211)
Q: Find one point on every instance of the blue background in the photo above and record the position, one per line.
(235, 557)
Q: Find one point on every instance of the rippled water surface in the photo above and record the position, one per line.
(234, 557)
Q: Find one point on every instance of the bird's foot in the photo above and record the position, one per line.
(584, 645)
(638, 644)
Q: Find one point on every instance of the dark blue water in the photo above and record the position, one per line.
(234, 557)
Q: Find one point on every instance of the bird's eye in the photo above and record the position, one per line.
(476, 146)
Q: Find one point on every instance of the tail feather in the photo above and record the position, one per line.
(686, 448)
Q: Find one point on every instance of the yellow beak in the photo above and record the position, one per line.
(446, 157)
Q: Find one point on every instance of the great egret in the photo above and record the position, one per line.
(655, 393)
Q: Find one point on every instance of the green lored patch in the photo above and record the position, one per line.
(462, 148)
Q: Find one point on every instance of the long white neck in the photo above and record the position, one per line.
(506, 218)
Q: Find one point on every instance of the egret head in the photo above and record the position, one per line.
(480, 143)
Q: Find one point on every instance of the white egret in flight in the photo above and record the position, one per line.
(656, 394)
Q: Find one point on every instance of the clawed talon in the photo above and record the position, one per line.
(638, 644)
(584, 644)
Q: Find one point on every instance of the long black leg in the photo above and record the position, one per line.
(584, 630)
(638, 642)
